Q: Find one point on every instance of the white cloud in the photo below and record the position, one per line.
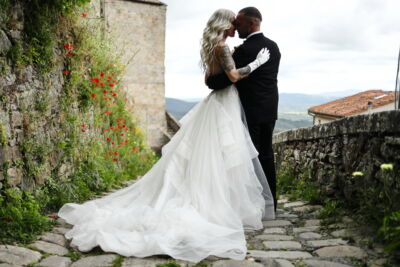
(325, 45)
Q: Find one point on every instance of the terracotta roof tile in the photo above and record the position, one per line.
(354, 104)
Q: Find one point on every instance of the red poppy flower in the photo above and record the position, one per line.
(114, 159)
(102, 74)
(108, 138)
(112, 128)
(93, 95)
(83, 130)
(134, 149)
(84, 15)
(116, 153)
(112, 143)
(68, 55)
(101, 84)
(96, 80)
(106, 130)
(110, 153)
(114, 94)
(126, 99)
(65, 72)
(53, 216)
(111, 84)
(83, 125)
(109, 78)
(122, 134)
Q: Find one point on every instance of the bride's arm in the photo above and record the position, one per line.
(228, 64)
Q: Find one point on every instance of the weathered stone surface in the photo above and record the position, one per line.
(5, 43)
(294, 204)
(50, 248)
(307, 208)
(275, 230)
(55, 261)
(54, 238)
(61, 230)
(312, 223)
(309, 235)
(282, 201)
(14, 176)
(322, 263)
(275, 237)
(276, 223)
(282, 245)
(95, 261)
(344, 233)
(9, 265)
(287, 216)
(283, 263)
(341, 251)
(326, 242)
(235, 263)
(149, 262)
(17, 255)
(305, 229)
(62, 223)
(279, 254)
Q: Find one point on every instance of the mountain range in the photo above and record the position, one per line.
(292, 110)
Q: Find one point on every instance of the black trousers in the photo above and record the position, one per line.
(261, 135)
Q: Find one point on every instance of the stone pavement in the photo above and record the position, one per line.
(295, 238)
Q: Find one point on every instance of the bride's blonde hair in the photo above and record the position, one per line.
(219, 22)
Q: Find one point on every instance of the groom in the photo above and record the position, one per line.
(259, 91)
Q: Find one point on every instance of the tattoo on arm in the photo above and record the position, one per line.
(226, 59)
(244, 71)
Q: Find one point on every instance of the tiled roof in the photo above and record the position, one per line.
(354, 104)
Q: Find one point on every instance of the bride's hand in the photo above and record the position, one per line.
(263, 56)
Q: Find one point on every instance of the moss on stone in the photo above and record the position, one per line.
(3, 135)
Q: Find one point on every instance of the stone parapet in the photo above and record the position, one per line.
(332, 152)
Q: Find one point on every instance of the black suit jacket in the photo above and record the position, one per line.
(259, 91)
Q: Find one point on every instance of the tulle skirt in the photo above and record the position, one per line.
(196, 201)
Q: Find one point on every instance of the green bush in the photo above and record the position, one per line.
(20, 216)
(298, 186)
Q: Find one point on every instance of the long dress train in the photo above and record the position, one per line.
(196, 201)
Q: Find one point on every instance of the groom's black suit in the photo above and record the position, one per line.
(259, 96)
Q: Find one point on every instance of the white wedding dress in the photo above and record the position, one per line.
(196, 201)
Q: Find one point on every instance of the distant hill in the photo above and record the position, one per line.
(292, 109)
(177, 107)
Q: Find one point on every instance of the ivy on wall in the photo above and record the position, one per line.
(93, 143)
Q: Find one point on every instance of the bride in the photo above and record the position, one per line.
(207, 187)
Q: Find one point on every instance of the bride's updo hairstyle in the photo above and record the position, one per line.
(214, 31)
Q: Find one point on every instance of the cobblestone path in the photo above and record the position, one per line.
(295, 238)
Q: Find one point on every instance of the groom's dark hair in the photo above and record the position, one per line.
(251, 12)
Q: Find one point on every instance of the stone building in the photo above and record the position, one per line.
(138, 28)
(366, 102)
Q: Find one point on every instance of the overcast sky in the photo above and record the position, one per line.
(325, 45)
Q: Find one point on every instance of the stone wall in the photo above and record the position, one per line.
(42, 112)
(332, 152)
(138, 28)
